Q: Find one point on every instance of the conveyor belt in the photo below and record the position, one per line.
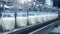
(46, 29)
(30, 28)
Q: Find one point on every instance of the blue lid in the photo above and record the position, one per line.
(8, 11)
(32, 12)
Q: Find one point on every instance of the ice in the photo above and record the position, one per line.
(8, 23)
(21, 21)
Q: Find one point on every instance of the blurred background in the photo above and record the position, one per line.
(29, 16)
